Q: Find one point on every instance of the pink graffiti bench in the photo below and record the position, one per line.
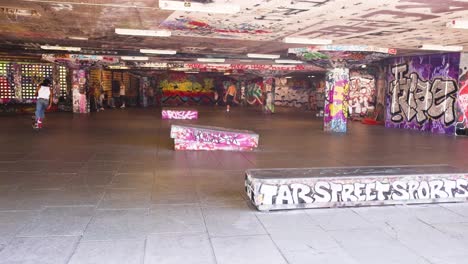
(195, 137)
(173, 113)
(277, 189)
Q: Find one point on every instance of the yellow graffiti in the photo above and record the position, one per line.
(187, 86)
(339, 102)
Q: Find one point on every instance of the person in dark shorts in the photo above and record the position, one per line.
(230, 96)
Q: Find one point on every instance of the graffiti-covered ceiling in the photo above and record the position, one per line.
(259, 27)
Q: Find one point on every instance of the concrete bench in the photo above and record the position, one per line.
(170, 113)
(195, 137)
(276, 189)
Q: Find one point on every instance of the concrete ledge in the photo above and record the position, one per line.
(168, 113)
(194, 137)
(276, 189)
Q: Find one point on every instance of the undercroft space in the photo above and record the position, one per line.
(109, 188)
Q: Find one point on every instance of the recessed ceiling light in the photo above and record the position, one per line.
(288, 77)
(298, 40)
(263, 56)
(134, 58)
(118, 67)
(211, 60)
(363, 66)
(158, 51)
(143, 32)
(441, 47)
(288, 61)
(78, 38)
(47, 47)
(222, 8)
(192, 72)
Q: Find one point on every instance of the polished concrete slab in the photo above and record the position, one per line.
(109, 188)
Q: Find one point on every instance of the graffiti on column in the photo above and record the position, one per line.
(336, 107)
(269, 106)
(462, 122)
(79, 91)
(17, 81)
(422, 93)
(56, 83)
(361, 97)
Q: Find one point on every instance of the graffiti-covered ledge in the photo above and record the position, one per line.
(278, 189)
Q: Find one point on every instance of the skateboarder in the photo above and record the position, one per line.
(44, 101)
(230, 97)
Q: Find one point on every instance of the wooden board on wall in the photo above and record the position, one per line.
(106, 77)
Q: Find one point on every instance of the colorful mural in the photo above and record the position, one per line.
(292, 92)
(19, 80)
(462, 99)
(254, 92)
(336, 108)
(186, 89)
(422, 93)
(362, 94)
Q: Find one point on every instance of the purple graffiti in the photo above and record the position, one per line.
(212, 138)
(422, 93)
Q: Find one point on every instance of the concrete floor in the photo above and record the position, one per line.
(108, 188)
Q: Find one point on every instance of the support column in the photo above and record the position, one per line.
(79, 87)
(336, 105)
(269, 83)
(17, 81)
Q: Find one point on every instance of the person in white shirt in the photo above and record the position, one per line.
(44, 101)
(122, 94)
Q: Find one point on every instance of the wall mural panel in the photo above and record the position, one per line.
(362, 94)
(18, 83)
(462, 121)
(185, 89)
(422, 93)
(292, 93)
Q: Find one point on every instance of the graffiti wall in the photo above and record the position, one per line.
(462, 99)
(186, 89)
(422, 93)
(292, 92)
(336, 108)
(253, 93)
(362, 94)
(19, 80)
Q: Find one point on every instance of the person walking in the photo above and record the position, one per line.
(122, 95)
(44, 101)
(230, 96)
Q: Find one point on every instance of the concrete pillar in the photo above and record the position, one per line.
(336, 105)
(269, 83)
(79, 87)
